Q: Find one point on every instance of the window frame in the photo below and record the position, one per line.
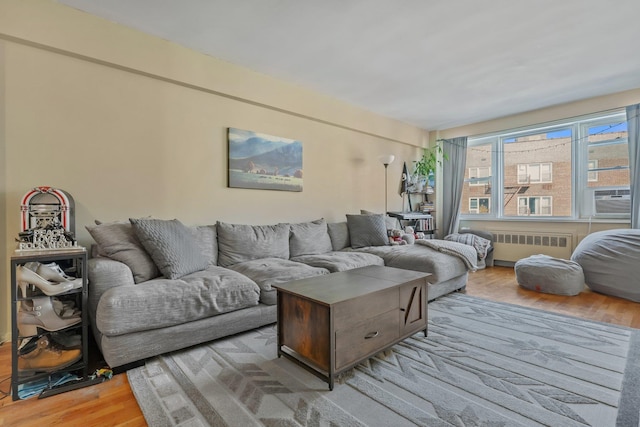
(592, 170)
(477, 198)
(540, 165)
(580, 193)
(541, 198)
(479, 180)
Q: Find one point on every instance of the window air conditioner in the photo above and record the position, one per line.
(612, 201)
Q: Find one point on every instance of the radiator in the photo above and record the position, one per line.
(512, 246)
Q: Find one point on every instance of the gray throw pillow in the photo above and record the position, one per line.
(391, 222)
(339, 234)
(309, 238)
(207, 239)
(367, 230)
(118, 241)
(240, 242)
(171, 246)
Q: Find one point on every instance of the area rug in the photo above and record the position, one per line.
(482, 364)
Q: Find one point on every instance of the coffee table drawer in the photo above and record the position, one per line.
(375, 334)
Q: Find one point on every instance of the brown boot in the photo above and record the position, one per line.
(47, 357)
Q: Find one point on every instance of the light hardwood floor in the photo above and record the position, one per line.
(112, 403)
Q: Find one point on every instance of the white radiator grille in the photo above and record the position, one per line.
(512, 246)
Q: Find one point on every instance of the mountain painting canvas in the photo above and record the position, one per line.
(264, 162)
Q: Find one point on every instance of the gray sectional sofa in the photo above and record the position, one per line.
(156, 286)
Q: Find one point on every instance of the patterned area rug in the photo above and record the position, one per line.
(483, 364)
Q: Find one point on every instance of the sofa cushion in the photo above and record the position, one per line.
(340, 261)
(162, 302)
(269, 271)
(171, 246)
(118, 241)
(367, 230)
(239, 243)
(309, 238)
(207, 240)
(339, 234)
(420, 258)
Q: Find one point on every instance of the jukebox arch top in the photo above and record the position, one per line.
(47, 208)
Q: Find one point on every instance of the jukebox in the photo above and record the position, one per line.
(47, 219)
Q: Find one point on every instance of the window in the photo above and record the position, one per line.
(552, 170)
(592, 173)
(607, 154)
(478, 175)
(530, 159)
(534, 205)
(479, 204)
(534, 173)
(478, 180)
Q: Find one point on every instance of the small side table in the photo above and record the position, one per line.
(421, 222)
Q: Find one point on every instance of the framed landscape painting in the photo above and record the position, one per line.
(264, 162)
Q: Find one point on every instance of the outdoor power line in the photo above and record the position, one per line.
(548, 147)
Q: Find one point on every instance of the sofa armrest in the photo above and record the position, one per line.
(489, 259)
(104, 274)
(486, 235)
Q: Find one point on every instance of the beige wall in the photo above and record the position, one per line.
(131, 125)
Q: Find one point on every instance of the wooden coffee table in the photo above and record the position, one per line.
(330, 323)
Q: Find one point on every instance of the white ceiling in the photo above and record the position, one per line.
(433, 63)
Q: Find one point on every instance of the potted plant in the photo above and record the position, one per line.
(425, 168)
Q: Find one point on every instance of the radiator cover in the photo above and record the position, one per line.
(512, 246)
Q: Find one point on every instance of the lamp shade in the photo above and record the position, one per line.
(386, 159)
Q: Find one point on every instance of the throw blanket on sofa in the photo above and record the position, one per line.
(466, 253)
(481, 244)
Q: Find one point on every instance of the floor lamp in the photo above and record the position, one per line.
(386, 161)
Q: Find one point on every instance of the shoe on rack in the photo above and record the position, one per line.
(39, 313)
(27, 345)
(47, 357)
(25, 276)
(55, 273)
(67, 340)
(64, 340)
(65, 309)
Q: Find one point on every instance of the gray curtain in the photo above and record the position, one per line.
(452, 181)
(633, 122)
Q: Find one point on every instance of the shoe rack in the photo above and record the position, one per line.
(49, 322)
